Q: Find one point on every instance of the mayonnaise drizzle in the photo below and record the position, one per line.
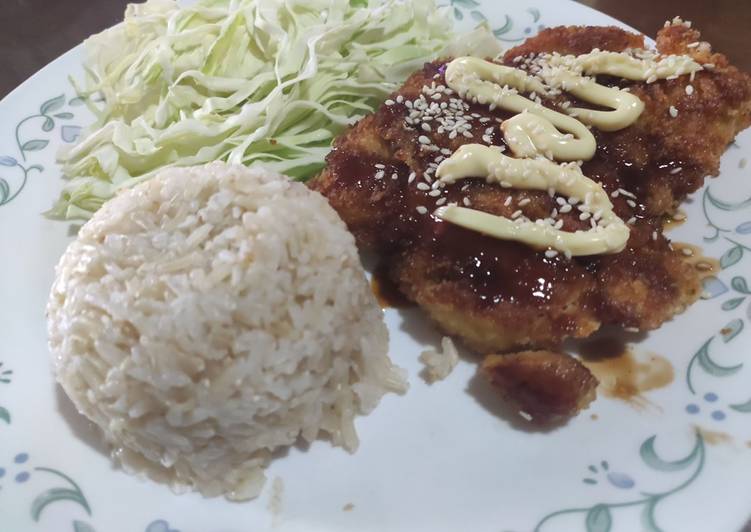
(528, 135)
(537, 130)
(478, 161)
(498, 85)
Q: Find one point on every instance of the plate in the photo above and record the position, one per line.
(444, 457)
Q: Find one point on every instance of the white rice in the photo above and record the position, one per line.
(439, 364)
(210, 315)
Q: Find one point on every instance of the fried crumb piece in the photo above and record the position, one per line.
(545, 385)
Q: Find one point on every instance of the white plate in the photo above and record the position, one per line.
(441, 458)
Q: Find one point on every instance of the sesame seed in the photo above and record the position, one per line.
(394, 176)
(379, 174)
(440, 202)
(673, 111)
(389, 102)
(615, 194)
(423, 186)
(679, 216)
(551, 253)
(524, 202)
(687, 251)
(689, 89)
(631, 203)
(516, 214)
(411, 177)
(584, 216)
(676, 170)
(422, 139)
(399, 99)
(379, 166)
(421, 209)
(693, 44)
(565, 208)
(466, 202)
(434, 193)
(654, 235)
(508, 201)
(631, 221)
(558, 224)
(626, 193)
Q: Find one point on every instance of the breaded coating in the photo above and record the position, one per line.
(499, 296)
(545, 385)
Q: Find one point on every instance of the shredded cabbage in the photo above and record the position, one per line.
(240, 80)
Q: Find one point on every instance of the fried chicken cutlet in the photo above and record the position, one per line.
(502, 295)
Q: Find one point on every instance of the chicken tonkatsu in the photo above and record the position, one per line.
(502, 295)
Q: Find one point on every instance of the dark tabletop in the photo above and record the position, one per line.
(34, 32)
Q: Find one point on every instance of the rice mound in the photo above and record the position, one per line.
(213, 314)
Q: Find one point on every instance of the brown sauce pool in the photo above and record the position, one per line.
(624, 374)
(385, 290)
(713, 437)
(694, 256)
(672, 221)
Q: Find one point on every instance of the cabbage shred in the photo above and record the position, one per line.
(244, 81)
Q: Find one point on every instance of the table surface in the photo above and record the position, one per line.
(34, 32)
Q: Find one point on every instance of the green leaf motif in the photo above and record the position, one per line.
(78, 101)
(507, 25)
(712, 367)
(52, 495)
(731, 330)
(48, 125)
(744, 408)
(80, 526)
(8, 161)
(458, 14)
(648, 520)
(739, 285)
(599, 519)
(726, 205)
(52, 105)
(535, 13)
(5, 415)
(479, 17)
(4, 191)
(35, 145)
(730, 304)
(650, 457)
(731, 256)
(64, 116)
